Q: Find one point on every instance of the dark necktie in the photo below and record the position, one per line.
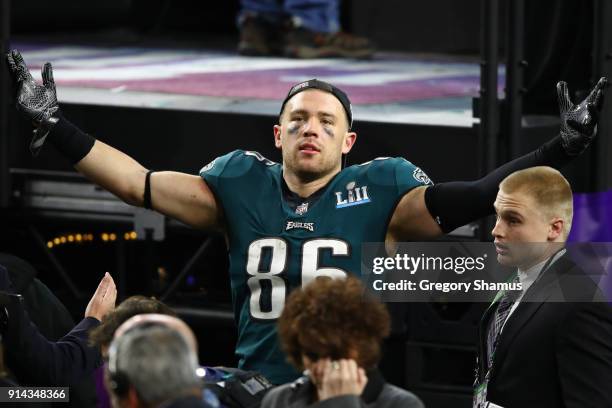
(504, 305)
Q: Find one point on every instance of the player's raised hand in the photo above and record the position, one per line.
(579, 122)
(36, 102)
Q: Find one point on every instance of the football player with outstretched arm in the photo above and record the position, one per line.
(287, 223)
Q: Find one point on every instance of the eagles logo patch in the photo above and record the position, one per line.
(420, 176)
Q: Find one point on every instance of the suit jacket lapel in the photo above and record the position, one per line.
(482, 341)
(535, 297)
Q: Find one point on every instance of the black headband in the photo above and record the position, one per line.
(323, 86)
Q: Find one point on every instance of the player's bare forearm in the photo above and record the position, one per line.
(181, 196)
(114, 171)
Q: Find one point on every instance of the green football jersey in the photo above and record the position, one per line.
(275, 247)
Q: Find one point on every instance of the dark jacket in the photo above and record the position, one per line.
(376, 394)
(45, 310)
(553, 354)
(34, 360)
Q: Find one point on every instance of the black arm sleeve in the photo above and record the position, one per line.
(457, 203)
(71, 141)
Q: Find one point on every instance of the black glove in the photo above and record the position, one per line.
(579, 122)
(36, 102)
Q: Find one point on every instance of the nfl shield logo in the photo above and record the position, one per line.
(301, 209)
(420, 176)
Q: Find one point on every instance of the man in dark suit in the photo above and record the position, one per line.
(548, 344)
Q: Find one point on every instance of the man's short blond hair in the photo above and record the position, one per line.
(549, 189)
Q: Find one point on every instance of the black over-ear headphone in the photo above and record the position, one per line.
(118, 380)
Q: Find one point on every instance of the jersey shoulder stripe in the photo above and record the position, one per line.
(234, 165)
(394, 169)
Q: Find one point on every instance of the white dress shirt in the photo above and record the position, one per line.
(528, 277)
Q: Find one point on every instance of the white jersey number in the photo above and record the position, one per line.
(278, 263)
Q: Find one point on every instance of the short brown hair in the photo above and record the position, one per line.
(549, 189)
(331, 317)
(132, 306)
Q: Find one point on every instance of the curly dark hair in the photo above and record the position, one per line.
(132, 306)
(333, 318)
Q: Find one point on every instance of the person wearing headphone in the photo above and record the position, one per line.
(153, 362)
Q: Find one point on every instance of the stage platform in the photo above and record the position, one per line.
(167, 105)
(390, 88)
